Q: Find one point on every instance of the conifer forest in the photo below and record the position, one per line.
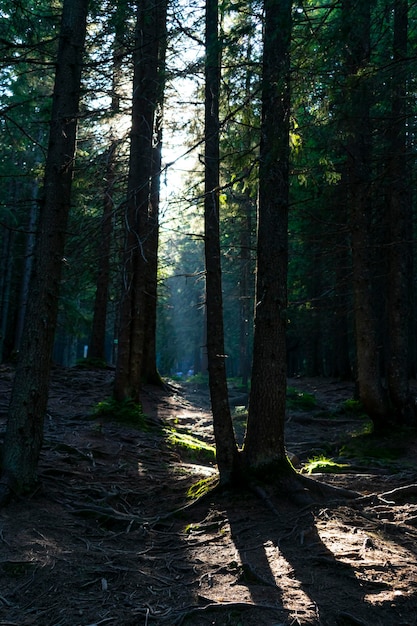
(208, 312)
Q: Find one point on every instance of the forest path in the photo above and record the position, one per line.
(98, 542)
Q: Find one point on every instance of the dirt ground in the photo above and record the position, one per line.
(108, 538)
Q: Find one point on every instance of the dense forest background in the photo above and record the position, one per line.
(320, 310)
(142, 102)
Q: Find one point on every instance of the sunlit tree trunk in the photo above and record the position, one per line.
(264, 442)
(27, 409)
(226, 449)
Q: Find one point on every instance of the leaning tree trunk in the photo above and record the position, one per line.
(226, 449)
(264, 442)
(24, 432)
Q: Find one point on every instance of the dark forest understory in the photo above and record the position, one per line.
(99, 542)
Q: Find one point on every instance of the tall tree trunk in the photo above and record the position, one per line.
(5, 285)
(245, 290)
(226, 449)
(146, 92)
(399, 218)
(27, 265)
(27, 409)
(7, 259)
(97, 345)
(264, 442)
(150, 370)
(342, 367)
(356, 20)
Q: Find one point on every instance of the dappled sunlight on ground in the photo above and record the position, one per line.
(111, 536)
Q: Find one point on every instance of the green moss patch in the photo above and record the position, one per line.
(125, 412)
(201, 487)
(300, 400)
(370, 447)
(190, 448)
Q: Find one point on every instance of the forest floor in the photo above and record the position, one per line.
(110, 536)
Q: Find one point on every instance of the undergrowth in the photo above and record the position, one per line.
(91, 363)
(324, 464)
(370, 447)
(125, 412)
(300, 400)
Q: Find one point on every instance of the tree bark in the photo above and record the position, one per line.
(399, 219)
(356, 20)
(150, 370)
(151, 16)
(245, 291)
(264, 442)
(226, 449)
(24, 434)
(27, 264)
(96, 348)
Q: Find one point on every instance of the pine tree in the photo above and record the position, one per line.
(24, 434)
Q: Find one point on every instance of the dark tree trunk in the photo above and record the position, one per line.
(27, 409)
(96, 348)
(27, 265)
(150, 370)
(245, 291)
(226, 449)
(146, 97)
(399, 218)
(264, 443)
(5, 287)
(356, 20)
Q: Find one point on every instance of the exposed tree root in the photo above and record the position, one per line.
(398, 494)
(325, 489)
(302, 491)
(222, 606)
